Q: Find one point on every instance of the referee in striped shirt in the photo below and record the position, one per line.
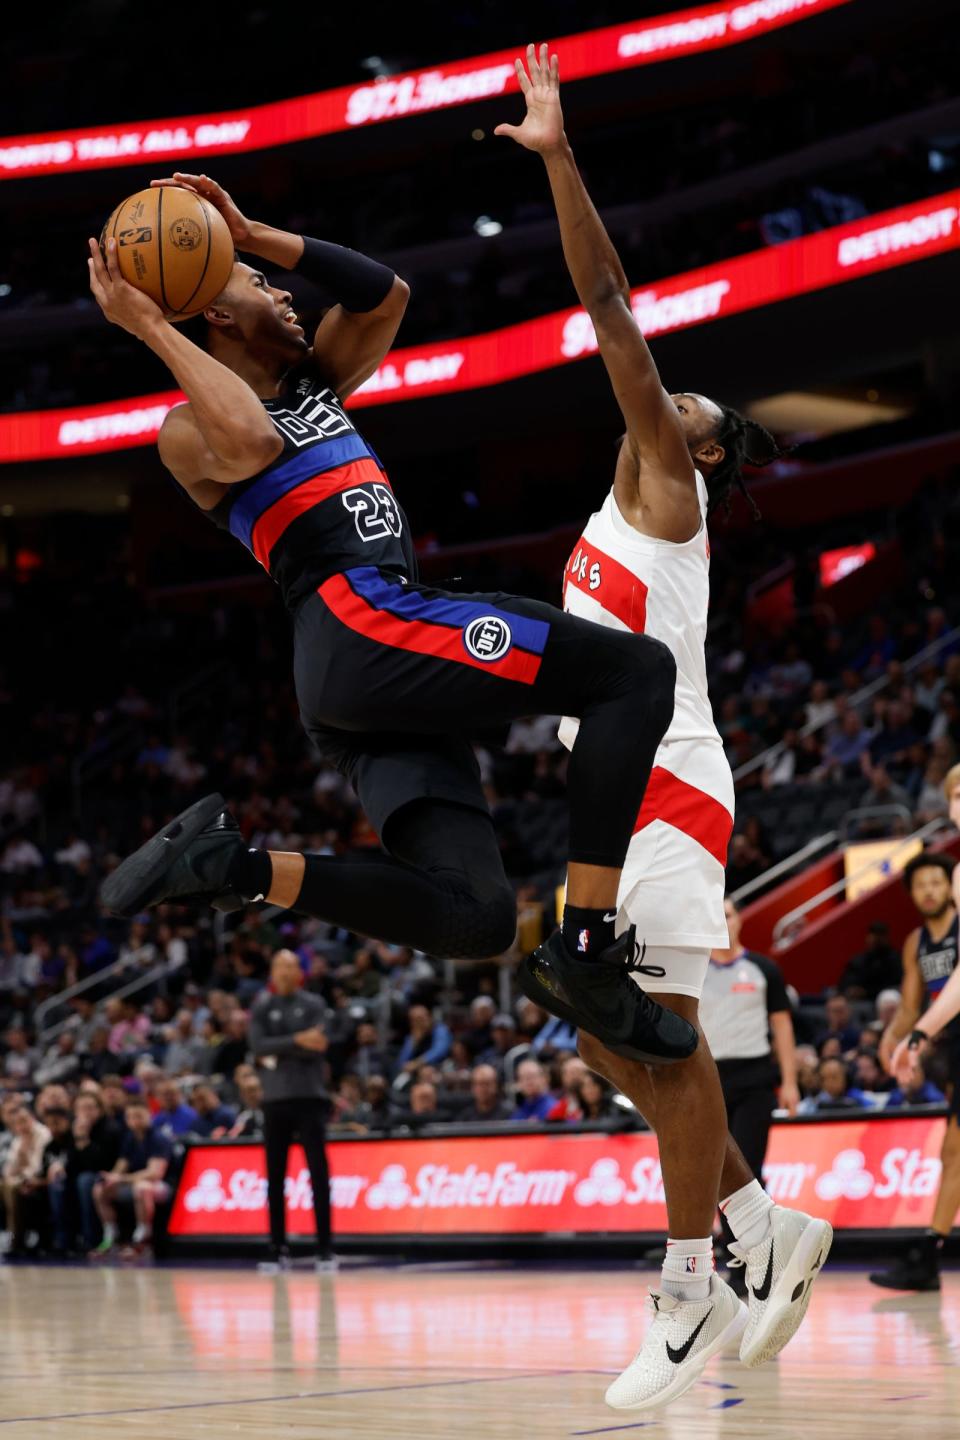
(746, 1019)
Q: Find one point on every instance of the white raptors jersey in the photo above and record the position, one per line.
(673, 880)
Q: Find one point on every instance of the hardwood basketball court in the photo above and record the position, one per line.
(407, 1352)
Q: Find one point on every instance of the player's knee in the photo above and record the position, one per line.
(660, 679)
(499, 922)
(478, 929)
(649, 676)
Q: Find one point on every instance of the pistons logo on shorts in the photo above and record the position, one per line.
(487, 638)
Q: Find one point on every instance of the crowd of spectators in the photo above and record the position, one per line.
(100, 1093)
(838, 1065)
(95, 1108)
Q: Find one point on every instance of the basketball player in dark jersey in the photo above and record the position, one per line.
(391, 675)
(929, 962)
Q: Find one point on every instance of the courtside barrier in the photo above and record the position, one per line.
(866, 1174)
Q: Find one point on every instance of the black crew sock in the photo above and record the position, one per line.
(251, 874)
(587, 932)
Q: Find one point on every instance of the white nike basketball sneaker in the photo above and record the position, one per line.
(780, 1275)
(682, 1338)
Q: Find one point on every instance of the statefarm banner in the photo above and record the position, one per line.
(858, 1174)
(593, 52)
(814, 262)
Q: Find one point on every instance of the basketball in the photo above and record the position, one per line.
(173, 246)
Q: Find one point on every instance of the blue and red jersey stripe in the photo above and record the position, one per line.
(389, 613)
(259, 516)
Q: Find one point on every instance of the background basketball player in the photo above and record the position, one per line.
(642, 566)
(930, 971)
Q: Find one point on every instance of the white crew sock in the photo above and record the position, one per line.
(687, 1267)
(141, 1233)
(747, 1212)
(109, 1231)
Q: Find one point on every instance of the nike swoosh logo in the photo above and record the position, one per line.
(609, 919)
(764, 1292)
(678, 1356)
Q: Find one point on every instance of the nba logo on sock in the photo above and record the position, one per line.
(691, 1266)
(583, 941)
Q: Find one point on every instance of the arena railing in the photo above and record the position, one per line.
(857, 701)
(785, 866)
(156, 975)
(788, 926)
(872, 812)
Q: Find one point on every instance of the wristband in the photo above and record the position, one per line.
(916, 1038)
(357, 282)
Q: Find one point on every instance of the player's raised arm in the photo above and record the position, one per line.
(651, 416)
(353, 336)
(225, 434)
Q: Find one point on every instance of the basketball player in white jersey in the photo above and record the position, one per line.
(643, 566)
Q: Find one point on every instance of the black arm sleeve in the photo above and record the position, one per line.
(358, 283)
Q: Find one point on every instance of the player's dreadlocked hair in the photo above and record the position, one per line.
(744, 443)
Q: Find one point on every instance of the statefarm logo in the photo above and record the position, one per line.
(653, 312)
(910, 234)
(246, 1189)
(431, 90)
(908, 1174)
(125, 144)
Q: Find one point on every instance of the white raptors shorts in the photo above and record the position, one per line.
(684, 971)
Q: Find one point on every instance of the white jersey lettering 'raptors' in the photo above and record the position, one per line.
(673, 879)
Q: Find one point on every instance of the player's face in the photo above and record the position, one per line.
(262, 315)
(700, 419)
(955, 805)
(930, 891)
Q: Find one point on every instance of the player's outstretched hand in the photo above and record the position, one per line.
(905, 1064)
(122, 303)
(207, 189)
(542, 127)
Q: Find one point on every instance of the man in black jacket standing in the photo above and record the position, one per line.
(288, 1041)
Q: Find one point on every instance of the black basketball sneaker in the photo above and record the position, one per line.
(189, 859)
(599, 995)
(918, 1269)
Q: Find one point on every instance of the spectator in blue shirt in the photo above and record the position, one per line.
(556, 1035)
(138, 1175)
(921, 1092)
(213, 1117)
(842, 754)
(174, 1117)
(840, 1025)
(428, 1041)
(536, 1102)
(836, 1092)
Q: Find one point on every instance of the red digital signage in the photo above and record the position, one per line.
(859, 1174)
(193, 139)
(814, 262)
